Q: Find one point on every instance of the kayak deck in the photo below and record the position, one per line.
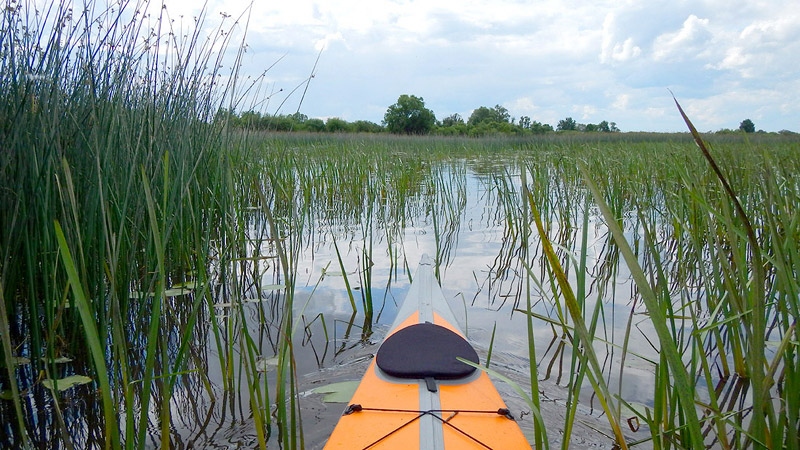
(440, 404)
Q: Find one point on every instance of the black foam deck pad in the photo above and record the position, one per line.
(426, 350)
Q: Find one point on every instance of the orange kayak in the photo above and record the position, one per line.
(417, 395)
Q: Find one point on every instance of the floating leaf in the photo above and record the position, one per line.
(272, 287)
(181, 289)
(266, 364)
(340, 392)
(634, 408)
(67, 383)
(174, 292)
(59, 360)
(192, 284)
(224, 305)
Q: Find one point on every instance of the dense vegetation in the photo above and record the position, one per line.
(410, 116)
(150, 245)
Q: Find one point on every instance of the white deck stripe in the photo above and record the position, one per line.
(431, 433)
(426, 296)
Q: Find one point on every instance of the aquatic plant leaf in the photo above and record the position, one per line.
(272, 287)
(224, 305)
(66, 383)
(340, 392)
(59, 360)
(178, 289)
(175, 292)
(20, 360)
(266, 364)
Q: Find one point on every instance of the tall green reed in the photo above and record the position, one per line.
(92, 100)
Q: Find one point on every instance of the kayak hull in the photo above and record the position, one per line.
(387, 412)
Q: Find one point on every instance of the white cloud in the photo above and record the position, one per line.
(523, 105)
(686, 43)
(621, 102)
(326, 41)
(588, 112)
(593, 60)
(612, 49)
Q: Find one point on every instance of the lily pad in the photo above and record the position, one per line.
(59, 360)
(224, 305)
(172, 292)
(175, 292)
(340, 392)
(634, 408)
(272, 287)
(67, 383)
(266, 364)
(336, 273)
(192, 284)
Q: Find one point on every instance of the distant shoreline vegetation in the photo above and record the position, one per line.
(410, 116)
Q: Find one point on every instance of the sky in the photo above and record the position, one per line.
(724, 60)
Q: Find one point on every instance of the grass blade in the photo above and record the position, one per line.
(92, 339)
(659, 319)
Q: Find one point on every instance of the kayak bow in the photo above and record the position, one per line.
(416, 394)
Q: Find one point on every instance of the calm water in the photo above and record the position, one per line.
(464, 222)
(482, 278)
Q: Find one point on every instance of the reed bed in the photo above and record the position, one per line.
(674, 231)
(151, 255)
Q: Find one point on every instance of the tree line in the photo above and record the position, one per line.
(410, 116)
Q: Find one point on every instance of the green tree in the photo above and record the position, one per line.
(480, 115)
(567, 124)
(337, 125)
(747, 126)
(409, 115)
(315, 125)
(540, 128)
(365, 126)
(452, 120)
(498, 114)
(501, 114)
(252, 120)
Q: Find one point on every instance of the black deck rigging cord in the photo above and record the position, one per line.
(353, 408)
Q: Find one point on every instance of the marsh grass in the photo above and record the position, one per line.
(667, 223)
(136, 227)
(96, 213)
(689, 257)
